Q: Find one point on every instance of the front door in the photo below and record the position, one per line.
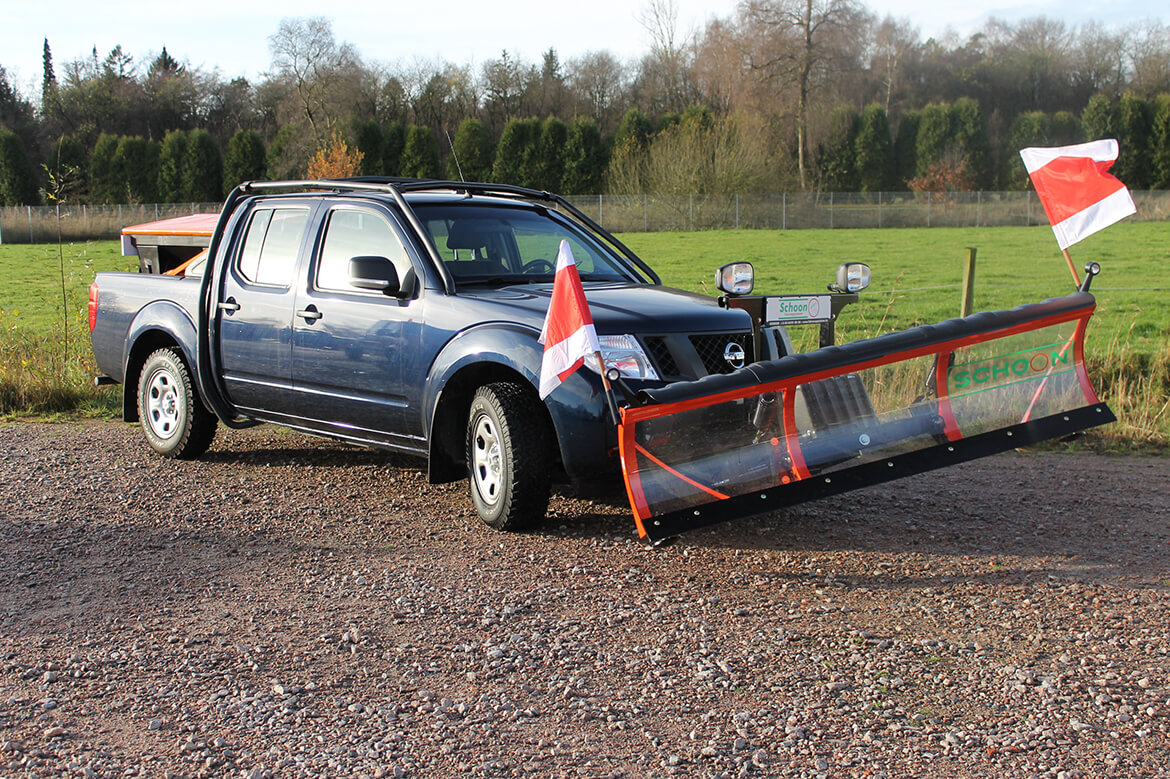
(353, 348)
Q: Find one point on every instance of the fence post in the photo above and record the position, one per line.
(784, 211)
(879, 210)
(736, 210)
(645, 213)
(30, 230)
(928, 209)
(691, 211)
(1029, 222)
(830, 210)
(968, 283)
(979, 208)
(85, 217)
(600, 211)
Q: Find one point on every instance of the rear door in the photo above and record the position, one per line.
(354, 350)
(256, 308)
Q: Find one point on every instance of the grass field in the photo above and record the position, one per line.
(917, 275)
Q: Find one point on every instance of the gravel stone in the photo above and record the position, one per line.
(286, 607)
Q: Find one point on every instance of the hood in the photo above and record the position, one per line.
(619, 308)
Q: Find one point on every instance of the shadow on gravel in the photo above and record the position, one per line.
(326, 455)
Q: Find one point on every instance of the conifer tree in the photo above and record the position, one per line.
(1099, 119)
(474, 150)
(1134, 128)
(873, 153)
(584, 159)
(246, 159)
(17, 183)
(420, 155)
(393, 144)
(202, 168)
(171, 159)
(1160, 143)
(102, 188)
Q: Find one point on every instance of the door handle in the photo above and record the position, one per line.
(310, 314)
(229, 306)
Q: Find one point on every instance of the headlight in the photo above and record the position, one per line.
(737, 278)
(625, 353)
(852, 277)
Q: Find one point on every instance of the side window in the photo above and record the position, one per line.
(357, 233)
(269, 254)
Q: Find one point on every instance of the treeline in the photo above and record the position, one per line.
(784, 95)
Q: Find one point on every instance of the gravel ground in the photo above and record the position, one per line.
(287, 607)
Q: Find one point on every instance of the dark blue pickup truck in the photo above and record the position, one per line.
(403, 315)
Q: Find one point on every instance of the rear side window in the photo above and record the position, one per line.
(271, 245)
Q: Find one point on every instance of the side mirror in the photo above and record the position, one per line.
(851, 277)
(737, 278)
(377, 274)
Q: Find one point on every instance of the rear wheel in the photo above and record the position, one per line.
(507, 457)
(174, 420)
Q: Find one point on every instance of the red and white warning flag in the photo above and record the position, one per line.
(568, 334)
(1079, 196)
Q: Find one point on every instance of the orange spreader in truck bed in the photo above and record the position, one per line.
(168, 245)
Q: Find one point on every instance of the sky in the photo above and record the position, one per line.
(232, 36)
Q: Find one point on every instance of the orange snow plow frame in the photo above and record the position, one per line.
(807, 426)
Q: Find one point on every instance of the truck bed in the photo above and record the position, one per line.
(131, 303)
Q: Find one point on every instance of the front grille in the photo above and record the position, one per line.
(710, 350)
(660, 354)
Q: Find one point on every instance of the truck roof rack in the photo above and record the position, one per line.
(397, 186)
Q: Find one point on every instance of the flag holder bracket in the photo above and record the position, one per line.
(1091, 270)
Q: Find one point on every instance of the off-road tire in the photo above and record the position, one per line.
(507, 457)
(174, 419)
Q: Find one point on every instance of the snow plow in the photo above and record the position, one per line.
(800, 427)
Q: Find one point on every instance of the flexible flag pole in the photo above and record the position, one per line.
(610, 400)
(1072, 269)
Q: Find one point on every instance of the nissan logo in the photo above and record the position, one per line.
(734, 355)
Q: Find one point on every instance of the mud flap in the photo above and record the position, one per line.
(806, 426)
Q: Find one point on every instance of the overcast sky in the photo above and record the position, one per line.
(233, 36)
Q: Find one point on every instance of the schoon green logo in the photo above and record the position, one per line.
(1016, 366)
(798, 308)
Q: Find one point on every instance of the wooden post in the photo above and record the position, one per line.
(968, 282)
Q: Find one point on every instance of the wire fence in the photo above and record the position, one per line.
(647, 213)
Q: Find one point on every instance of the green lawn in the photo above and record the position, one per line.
(917, 274)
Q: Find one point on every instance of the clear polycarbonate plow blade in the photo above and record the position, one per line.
(806, 426)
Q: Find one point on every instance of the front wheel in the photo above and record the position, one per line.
(174, 419)
(507, 457)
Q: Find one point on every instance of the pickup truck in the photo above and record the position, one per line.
(404, 315)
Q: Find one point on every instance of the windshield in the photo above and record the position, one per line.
(500, 244)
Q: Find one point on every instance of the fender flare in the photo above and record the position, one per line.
(160, 322)
(500, 351)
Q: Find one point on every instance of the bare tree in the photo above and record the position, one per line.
(1032, 60)
(893, 42)
(666, 71)
(804, 42)
(1097, 58)
(1148, 57)
(600, 80)
(504, 82)
(317, 69)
